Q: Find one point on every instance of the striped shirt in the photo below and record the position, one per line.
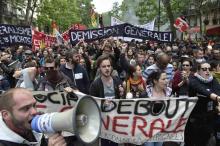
(154, 67)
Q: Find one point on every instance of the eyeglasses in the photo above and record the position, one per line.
(185, 65)
(205, 69)
(49, 68)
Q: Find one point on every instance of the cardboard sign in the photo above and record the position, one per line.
(15, 35)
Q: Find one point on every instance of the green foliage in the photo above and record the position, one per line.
(115, 10)
(147, 10)
(64, 13)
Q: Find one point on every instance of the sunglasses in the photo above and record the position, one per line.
(185, 65)
(49, 68)
(205, 69)
(28, 54)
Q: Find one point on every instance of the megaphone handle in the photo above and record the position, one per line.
(48, 135)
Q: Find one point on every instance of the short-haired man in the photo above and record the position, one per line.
(106, 86)
(162, 64)
(75, 71)
(17, 109)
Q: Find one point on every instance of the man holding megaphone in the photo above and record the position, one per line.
(17, 109)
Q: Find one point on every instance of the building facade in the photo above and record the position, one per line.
(204, 18)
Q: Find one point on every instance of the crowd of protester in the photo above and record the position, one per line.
(114, 68)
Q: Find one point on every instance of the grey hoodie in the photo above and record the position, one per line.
(7, 134)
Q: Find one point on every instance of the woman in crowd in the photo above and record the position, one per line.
(130, 55)
(175, 64)
(157, 85)
(180, 81)
(157, 89)
(200, 128)
(215, 68)
(62, 60)
(134, 83)
(42, 58)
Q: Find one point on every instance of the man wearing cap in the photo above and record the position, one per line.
(28, 57)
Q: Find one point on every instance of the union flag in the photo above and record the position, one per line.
(181, 24)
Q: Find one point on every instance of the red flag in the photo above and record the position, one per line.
(76, 26)
(41, 39)
(181, 24)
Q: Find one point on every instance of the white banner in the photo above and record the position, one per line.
(115, 21)
(148, 26)
(130, 121)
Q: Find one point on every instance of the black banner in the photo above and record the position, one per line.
(15, 35)
(124, 30)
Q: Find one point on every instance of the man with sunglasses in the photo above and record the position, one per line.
(200, 128)
(54, 79)
(27, 57)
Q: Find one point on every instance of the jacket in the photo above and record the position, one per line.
(97, 88)
(45, 85)
(10, 138)
(203, 90)
(4, 84)
(8, 71)
(79, 77)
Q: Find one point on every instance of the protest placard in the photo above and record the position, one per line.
(15, 35)
(129, 121)
(124, 30)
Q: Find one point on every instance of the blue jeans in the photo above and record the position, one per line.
(153, 144)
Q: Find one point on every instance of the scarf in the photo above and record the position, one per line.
(132, 82)
(203, 79)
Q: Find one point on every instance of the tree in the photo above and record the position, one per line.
(170, 16)
(115, 12)
(19, 11)
(64, 13)
(169, 10)
(147, 10)
(1, 11)
(30, 9)
(128, 13)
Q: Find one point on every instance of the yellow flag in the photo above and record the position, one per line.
(93, 18)
(42, 44)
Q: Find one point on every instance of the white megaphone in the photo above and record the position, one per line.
(84, 120)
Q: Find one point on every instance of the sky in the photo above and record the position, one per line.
(102, 6)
